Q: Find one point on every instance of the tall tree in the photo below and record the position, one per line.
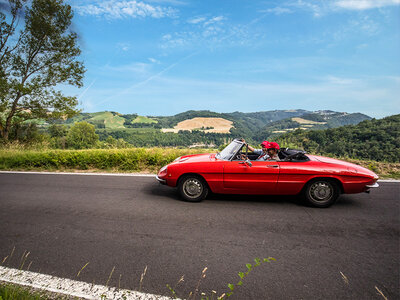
(82, 135)
(42, 55)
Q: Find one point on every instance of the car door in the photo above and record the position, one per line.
(294, 175)
(260, 178)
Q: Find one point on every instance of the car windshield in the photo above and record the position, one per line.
(229, 150)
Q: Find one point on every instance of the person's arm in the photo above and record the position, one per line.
(250, 147)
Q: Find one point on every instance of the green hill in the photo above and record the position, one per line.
(371, 139)
(104, 119)
(310, 121)
(146, 131)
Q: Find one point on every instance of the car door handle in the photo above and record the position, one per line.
(272, 166)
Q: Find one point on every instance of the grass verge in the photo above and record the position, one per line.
(148, 160)
(12, 291)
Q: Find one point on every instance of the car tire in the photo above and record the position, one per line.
(321, 192)
(192, 188)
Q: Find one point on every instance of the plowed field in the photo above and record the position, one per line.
(216, 125)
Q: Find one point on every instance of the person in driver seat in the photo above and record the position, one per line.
(263, 152)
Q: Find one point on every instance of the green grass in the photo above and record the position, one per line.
(12, 292)
(113, 160)
(142, 119)
(130, 130)
(110, 120)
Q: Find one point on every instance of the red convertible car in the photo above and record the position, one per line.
(320, 180)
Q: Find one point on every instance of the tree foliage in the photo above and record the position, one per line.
(33, 61)
(82, 136)
(371, 139)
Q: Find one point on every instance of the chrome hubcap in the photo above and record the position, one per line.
(321, 191)
(192, 188)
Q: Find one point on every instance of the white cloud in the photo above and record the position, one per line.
(341, 80)
(317, 8)
(114, 9)
(203, 30)
(206, 21)
(364, 4)
(196, 20)
(123, 47)
(173, 2)
(278, 10)
(366, 24)
(214, 20)
(153, 60)
(360, 25)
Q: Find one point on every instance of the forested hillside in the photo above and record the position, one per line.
(310, 121)
(147, 131)
(187, 129)
(371, 139)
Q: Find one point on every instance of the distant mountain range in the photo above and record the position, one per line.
(207, 128)
(264, 123)
(313, 120)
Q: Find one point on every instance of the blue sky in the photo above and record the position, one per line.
(162, 57)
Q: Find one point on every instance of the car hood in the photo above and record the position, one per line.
(196, 158)
(350, 166)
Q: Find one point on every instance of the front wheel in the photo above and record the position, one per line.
(192, 188)
(321, 193)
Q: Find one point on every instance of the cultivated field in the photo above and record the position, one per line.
(305, 124)
(216, 125)
(304, 121)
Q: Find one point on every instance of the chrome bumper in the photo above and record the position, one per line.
(160, 180)
(375, 185)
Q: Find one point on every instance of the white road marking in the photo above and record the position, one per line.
(388, 180)
(83, 173)
(115, 174)
(71, 287)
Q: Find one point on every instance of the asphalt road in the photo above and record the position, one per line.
(65, 221)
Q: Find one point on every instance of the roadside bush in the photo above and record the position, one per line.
(132, 159)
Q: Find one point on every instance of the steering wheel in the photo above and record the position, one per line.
(238, 156)
(241, 156)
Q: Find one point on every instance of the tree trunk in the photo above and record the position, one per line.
(6, 129)
(3, 134)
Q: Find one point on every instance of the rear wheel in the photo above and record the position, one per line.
(321, 192)
(192, 188)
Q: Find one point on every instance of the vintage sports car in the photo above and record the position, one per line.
(319, 180)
